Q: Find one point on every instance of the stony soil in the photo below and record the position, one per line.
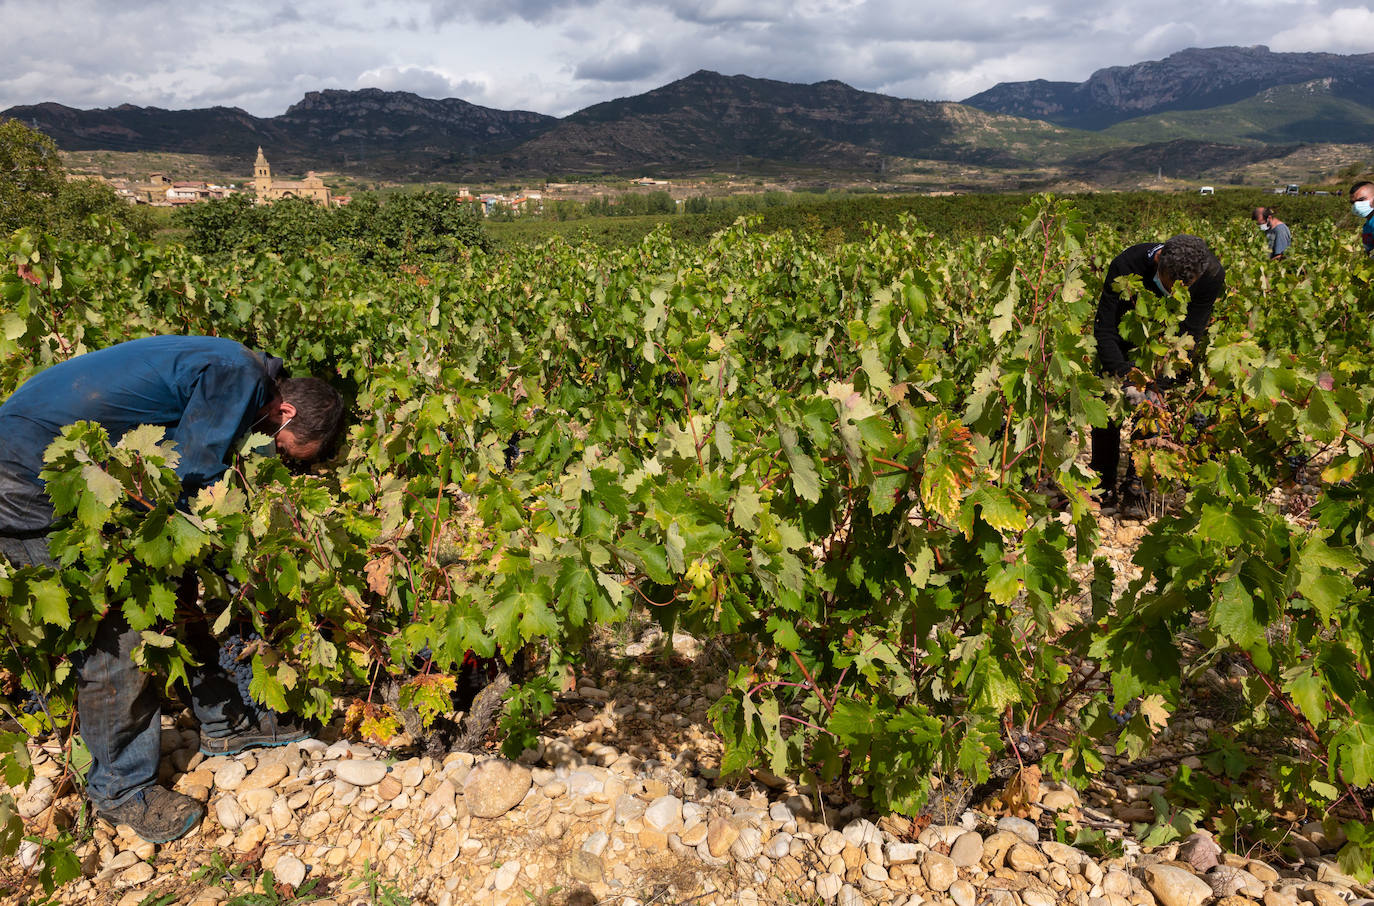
(622, 804)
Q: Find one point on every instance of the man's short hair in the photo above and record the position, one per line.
(1185, 258)
(1263, 213)
(319, 411)
(1360, 185)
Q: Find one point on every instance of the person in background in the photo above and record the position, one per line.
(1275, 231)
(207, 392)
(1159, 265)
(1362, 203)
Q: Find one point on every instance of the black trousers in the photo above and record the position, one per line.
(1105, 457)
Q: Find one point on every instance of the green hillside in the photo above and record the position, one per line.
(1310, 112)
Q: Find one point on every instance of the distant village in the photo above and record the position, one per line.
(160, 190)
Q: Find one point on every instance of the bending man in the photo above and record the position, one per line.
(207, 392)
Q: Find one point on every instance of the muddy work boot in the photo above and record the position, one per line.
(156, 814)
(272, 730)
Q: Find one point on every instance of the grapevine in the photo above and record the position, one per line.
(842, 460)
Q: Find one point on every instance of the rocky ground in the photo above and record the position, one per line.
(622, 803)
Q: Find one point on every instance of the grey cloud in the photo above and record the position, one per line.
(557, 56)
(621, 67)
(443, 12)
(425, 82)
(728, 12)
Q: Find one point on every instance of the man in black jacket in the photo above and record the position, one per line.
(1182, 259)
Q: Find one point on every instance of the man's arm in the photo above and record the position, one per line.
(1201, 301)
(222, 405)
(1111, 356)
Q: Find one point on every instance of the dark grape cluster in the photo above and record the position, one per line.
(513, 452)
(33, 702)
(238, 668)
(1296, 462)
(1199, 421)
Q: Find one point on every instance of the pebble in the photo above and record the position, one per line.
(967, 849)
(1059, 800)
(315, 825)
(828, 886)
(862, 832)
(584, 783)
(995, 848)
(962, 893)
(720, 836)
(495, 786)
(141, 873)
(1200, 851)
(230, 776)
(1226, 881)
(229, 813)
(249, 838)
(1021, 828)
(939, 871)
(903, 853)
(289, 871)
(1024, 857)
(1063, 854)
(1176, 887)
(265, 777)
(833, 843)
(29, 854)
(360, 771)
(664, 814)
(850, 897)
(505, 876)
(748, 845)
(779, 846)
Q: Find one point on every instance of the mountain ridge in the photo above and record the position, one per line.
(710, 122)
(1191, 79)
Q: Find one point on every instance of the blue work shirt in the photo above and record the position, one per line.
(206, 391)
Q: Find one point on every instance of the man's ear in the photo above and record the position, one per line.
(286, 410)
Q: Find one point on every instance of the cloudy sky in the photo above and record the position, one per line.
(557, 56)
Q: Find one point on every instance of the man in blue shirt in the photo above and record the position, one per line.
(207, 392)
(1276, 232)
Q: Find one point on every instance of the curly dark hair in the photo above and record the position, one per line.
(319, 411)
(1185, 258)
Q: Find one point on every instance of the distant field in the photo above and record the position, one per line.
(1130, 212)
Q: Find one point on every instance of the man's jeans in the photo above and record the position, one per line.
(119, 705)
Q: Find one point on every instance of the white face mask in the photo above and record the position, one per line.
(1362, 208)
(1264, 227)
(274, 434)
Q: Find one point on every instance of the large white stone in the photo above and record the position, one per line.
(230, 813)
(289, 871)
(664, 814)
(1021, 828)
(360, 771)
(939, 871)
(495, 786)
(1176, 887)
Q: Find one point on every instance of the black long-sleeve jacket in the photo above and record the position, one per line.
(1112, 350)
